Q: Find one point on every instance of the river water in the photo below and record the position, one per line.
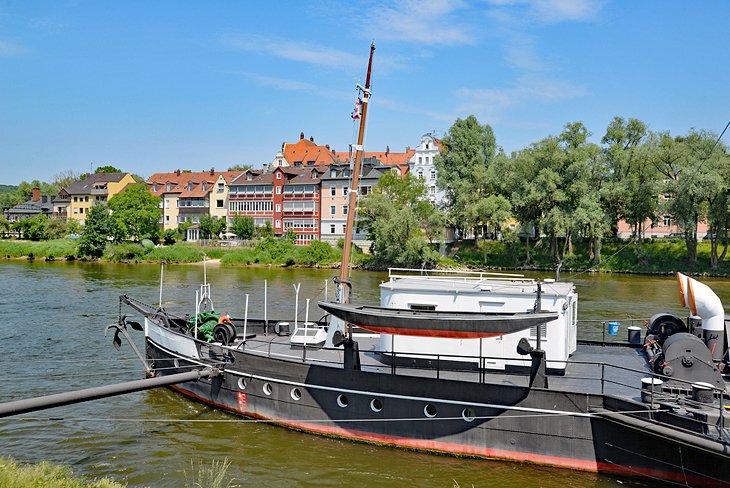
(52, 340)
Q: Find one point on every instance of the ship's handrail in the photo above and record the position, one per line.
(481, 373)
(395, 274)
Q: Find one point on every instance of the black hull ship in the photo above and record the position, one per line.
(653, 408)
(468, 364)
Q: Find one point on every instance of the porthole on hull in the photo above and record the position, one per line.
(342, 401)
(376, 405)
(268, 389)
(241, 383)
(429, 411)
(296, 394)
(468, 414)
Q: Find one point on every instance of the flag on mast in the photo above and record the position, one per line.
(358, 110)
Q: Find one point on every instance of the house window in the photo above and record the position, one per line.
(346, 173)
(278, 207)
(667, 221)
(333, 173)
(167, 187)
(420, 175)
(249, 177)
(344, 190)
(81, 210)
(420, 160)
(433, 190)
(344, 210)
(220, 187)
(86, 198)
(332, 228)
(76, 210)
(76, 199)
(154, 187)
(167, 219)
(433, 174)
(219, 204)
(167, 203)
(333, 190)
(278, 190)
(427, 145)
(278, 224)
(278, 176)
(333, 210)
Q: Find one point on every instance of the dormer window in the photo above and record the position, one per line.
(167, 187)
(205, 187)
(427, 145)
(333, 173)
(190, 186)
(249, 177)
(154, 187)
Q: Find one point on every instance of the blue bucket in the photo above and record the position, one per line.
(613, 328)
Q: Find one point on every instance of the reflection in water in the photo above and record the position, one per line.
(54, 316)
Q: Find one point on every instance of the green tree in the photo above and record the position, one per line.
(211, 227)
(266, 230)
(33, 228)
(695, 180)
(56, 228)
(468, 148)
(137, 211)
(396, 213)
(107, 169)
(491, 212)
(98, 228)
(240, 167)
(622, 139)
(243, 227)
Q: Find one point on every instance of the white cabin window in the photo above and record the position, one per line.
(422, 306)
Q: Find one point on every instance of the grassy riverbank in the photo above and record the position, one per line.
(652, 256)
(655, 256)
(268, 251)
(42, 475)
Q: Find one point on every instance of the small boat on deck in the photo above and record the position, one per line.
(434, 323)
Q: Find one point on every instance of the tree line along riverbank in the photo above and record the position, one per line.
(657, 256)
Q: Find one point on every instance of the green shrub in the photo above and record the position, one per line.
(126, 251)
(14, 475)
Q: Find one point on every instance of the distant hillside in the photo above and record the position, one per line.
(7, 188)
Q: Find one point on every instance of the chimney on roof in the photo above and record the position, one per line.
(36, 194)
(311, 138)
(178, 172)
(387, 150)
(301, 136)
(333, 151)
(408, 148)
(212, 170)
(327, 146)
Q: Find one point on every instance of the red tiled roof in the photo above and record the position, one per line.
(306, 152)
(386, 158)
(179, 182)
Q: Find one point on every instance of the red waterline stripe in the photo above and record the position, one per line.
(451, 448)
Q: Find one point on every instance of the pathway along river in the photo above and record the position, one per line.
(52, 340)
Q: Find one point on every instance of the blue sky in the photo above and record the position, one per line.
(152, 86)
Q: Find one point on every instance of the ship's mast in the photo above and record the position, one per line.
(355, 179)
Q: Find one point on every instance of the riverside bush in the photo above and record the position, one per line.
(126, 251)
(14, 475)
(55, 247)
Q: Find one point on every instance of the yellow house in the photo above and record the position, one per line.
(187, 196)
(98, 187)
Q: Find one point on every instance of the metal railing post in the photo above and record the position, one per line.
(603, 374)
(438, 366)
